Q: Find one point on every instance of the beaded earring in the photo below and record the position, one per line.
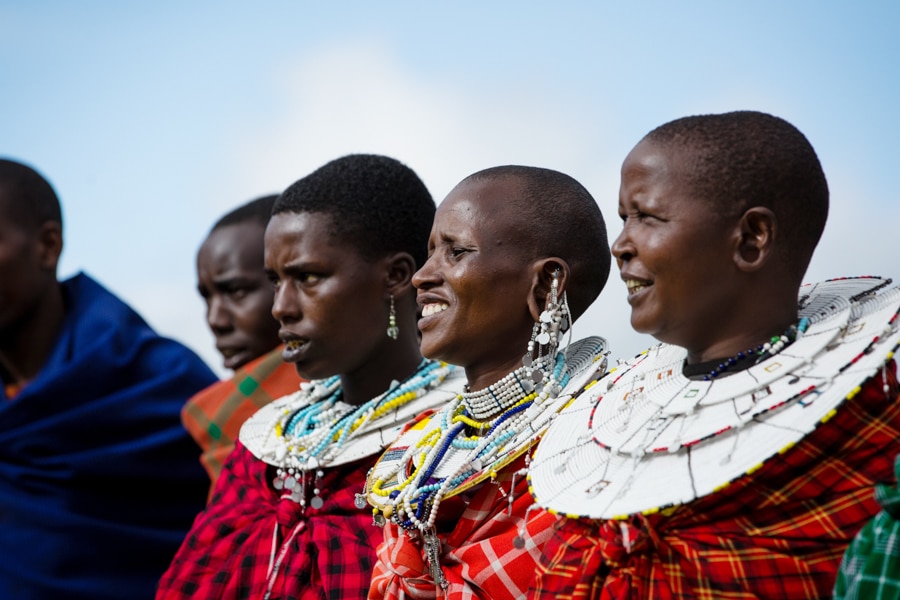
(554, 319)
(392, 331)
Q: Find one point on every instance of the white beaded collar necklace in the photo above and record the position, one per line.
(651, 438)
(312, 429)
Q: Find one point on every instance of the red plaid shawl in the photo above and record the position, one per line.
(479, 559)
(214, 416)
(227, 553)
(779, 533)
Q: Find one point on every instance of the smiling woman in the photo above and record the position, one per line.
(499, 291)
(286, 519)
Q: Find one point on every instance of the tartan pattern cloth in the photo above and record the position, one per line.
(324, 554)
(871, 566)
(479, 559)
(214, 415)
(779, 533)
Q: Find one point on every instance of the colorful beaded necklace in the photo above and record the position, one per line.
(459, 451)
(311, 429)
(775, 345)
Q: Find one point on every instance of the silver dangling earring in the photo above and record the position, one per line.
(392, 331)
(556, 318)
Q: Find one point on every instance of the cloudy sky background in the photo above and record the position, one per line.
(153, 119)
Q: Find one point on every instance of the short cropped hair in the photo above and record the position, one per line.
(376, 203)
(741, 159)
(258, 210)
(31, 199)
(557, 216)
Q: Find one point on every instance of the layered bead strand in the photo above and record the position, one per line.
(314, 427)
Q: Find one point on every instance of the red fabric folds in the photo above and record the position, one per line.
(778, 533)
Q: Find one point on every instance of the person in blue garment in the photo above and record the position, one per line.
(99, 481)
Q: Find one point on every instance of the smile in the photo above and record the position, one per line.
(634, 286)
(433, 309)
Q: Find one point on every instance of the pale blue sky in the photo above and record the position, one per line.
(152, 119)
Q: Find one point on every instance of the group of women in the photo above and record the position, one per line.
(427, 456)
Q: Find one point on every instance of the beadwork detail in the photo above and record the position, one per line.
(311, 429)
(763, 351)
(458, 448)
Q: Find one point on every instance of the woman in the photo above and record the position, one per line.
(501, 287)
(285, 519)
(737, 458)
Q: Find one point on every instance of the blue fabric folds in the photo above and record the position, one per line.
(99, 481)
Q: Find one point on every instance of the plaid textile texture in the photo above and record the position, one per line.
(871, 567)
(214, 415)
(479, 559)
(779, 533)
(328, 554)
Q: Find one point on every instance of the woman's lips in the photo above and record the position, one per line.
(293, 349)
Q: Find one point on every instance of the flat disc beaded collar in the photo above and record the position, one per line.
(650, 438)
(312, 428)
(452, 451)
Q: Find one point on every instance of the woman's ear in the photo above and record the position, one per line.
(545, 271)
(757, 230)
(399, 269)
(50, 243)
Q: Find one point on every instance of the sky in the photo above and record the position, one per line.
(153, 119)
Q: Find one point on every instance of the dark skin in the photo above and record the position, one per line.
(32, 309)
(232, 281)
(480, 294)
(698, 278)
(332, 304)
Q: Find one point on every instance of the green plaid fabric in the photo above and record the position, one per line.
(214, 415)
(870, 569)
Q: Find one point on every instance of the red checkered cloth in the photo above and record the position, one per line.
(326, 553)
(479, 559)
(214, 416)
(779, 533)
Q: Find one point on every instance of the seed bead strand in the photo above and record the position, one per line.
(417, 500)
(430, 374)
(302, 443)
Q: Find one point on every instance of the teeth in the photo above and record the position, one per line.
(293, 345)
(433, 309)
(634, 285)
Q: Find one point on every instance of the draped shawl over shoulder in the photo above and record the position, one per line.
(99, 481)
(214, 416)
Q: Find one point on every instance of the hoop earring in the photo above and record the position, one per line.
(392, 331)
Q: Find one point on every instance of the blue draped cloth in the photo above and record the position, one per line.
(99, 481)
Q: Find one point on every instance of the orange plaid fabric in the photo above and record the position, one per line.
(779, 533)
(214, 415)
(479, 557)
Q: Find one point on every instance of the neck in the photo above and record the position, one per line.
(26, 345)
(375, 377)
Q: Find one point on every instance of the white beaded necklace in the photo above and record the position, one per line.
(444, 461)
(312, 426)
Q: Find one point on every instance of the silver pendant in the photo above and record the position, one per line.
(433, 555)
(317, 502)
(360, 501)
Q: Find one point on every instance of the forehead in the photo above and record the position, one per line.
(306, 236)
(489, 207)
(237, 242)
(654, 171)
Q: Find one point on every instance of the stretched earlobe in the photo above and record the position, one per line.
(757, 230)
